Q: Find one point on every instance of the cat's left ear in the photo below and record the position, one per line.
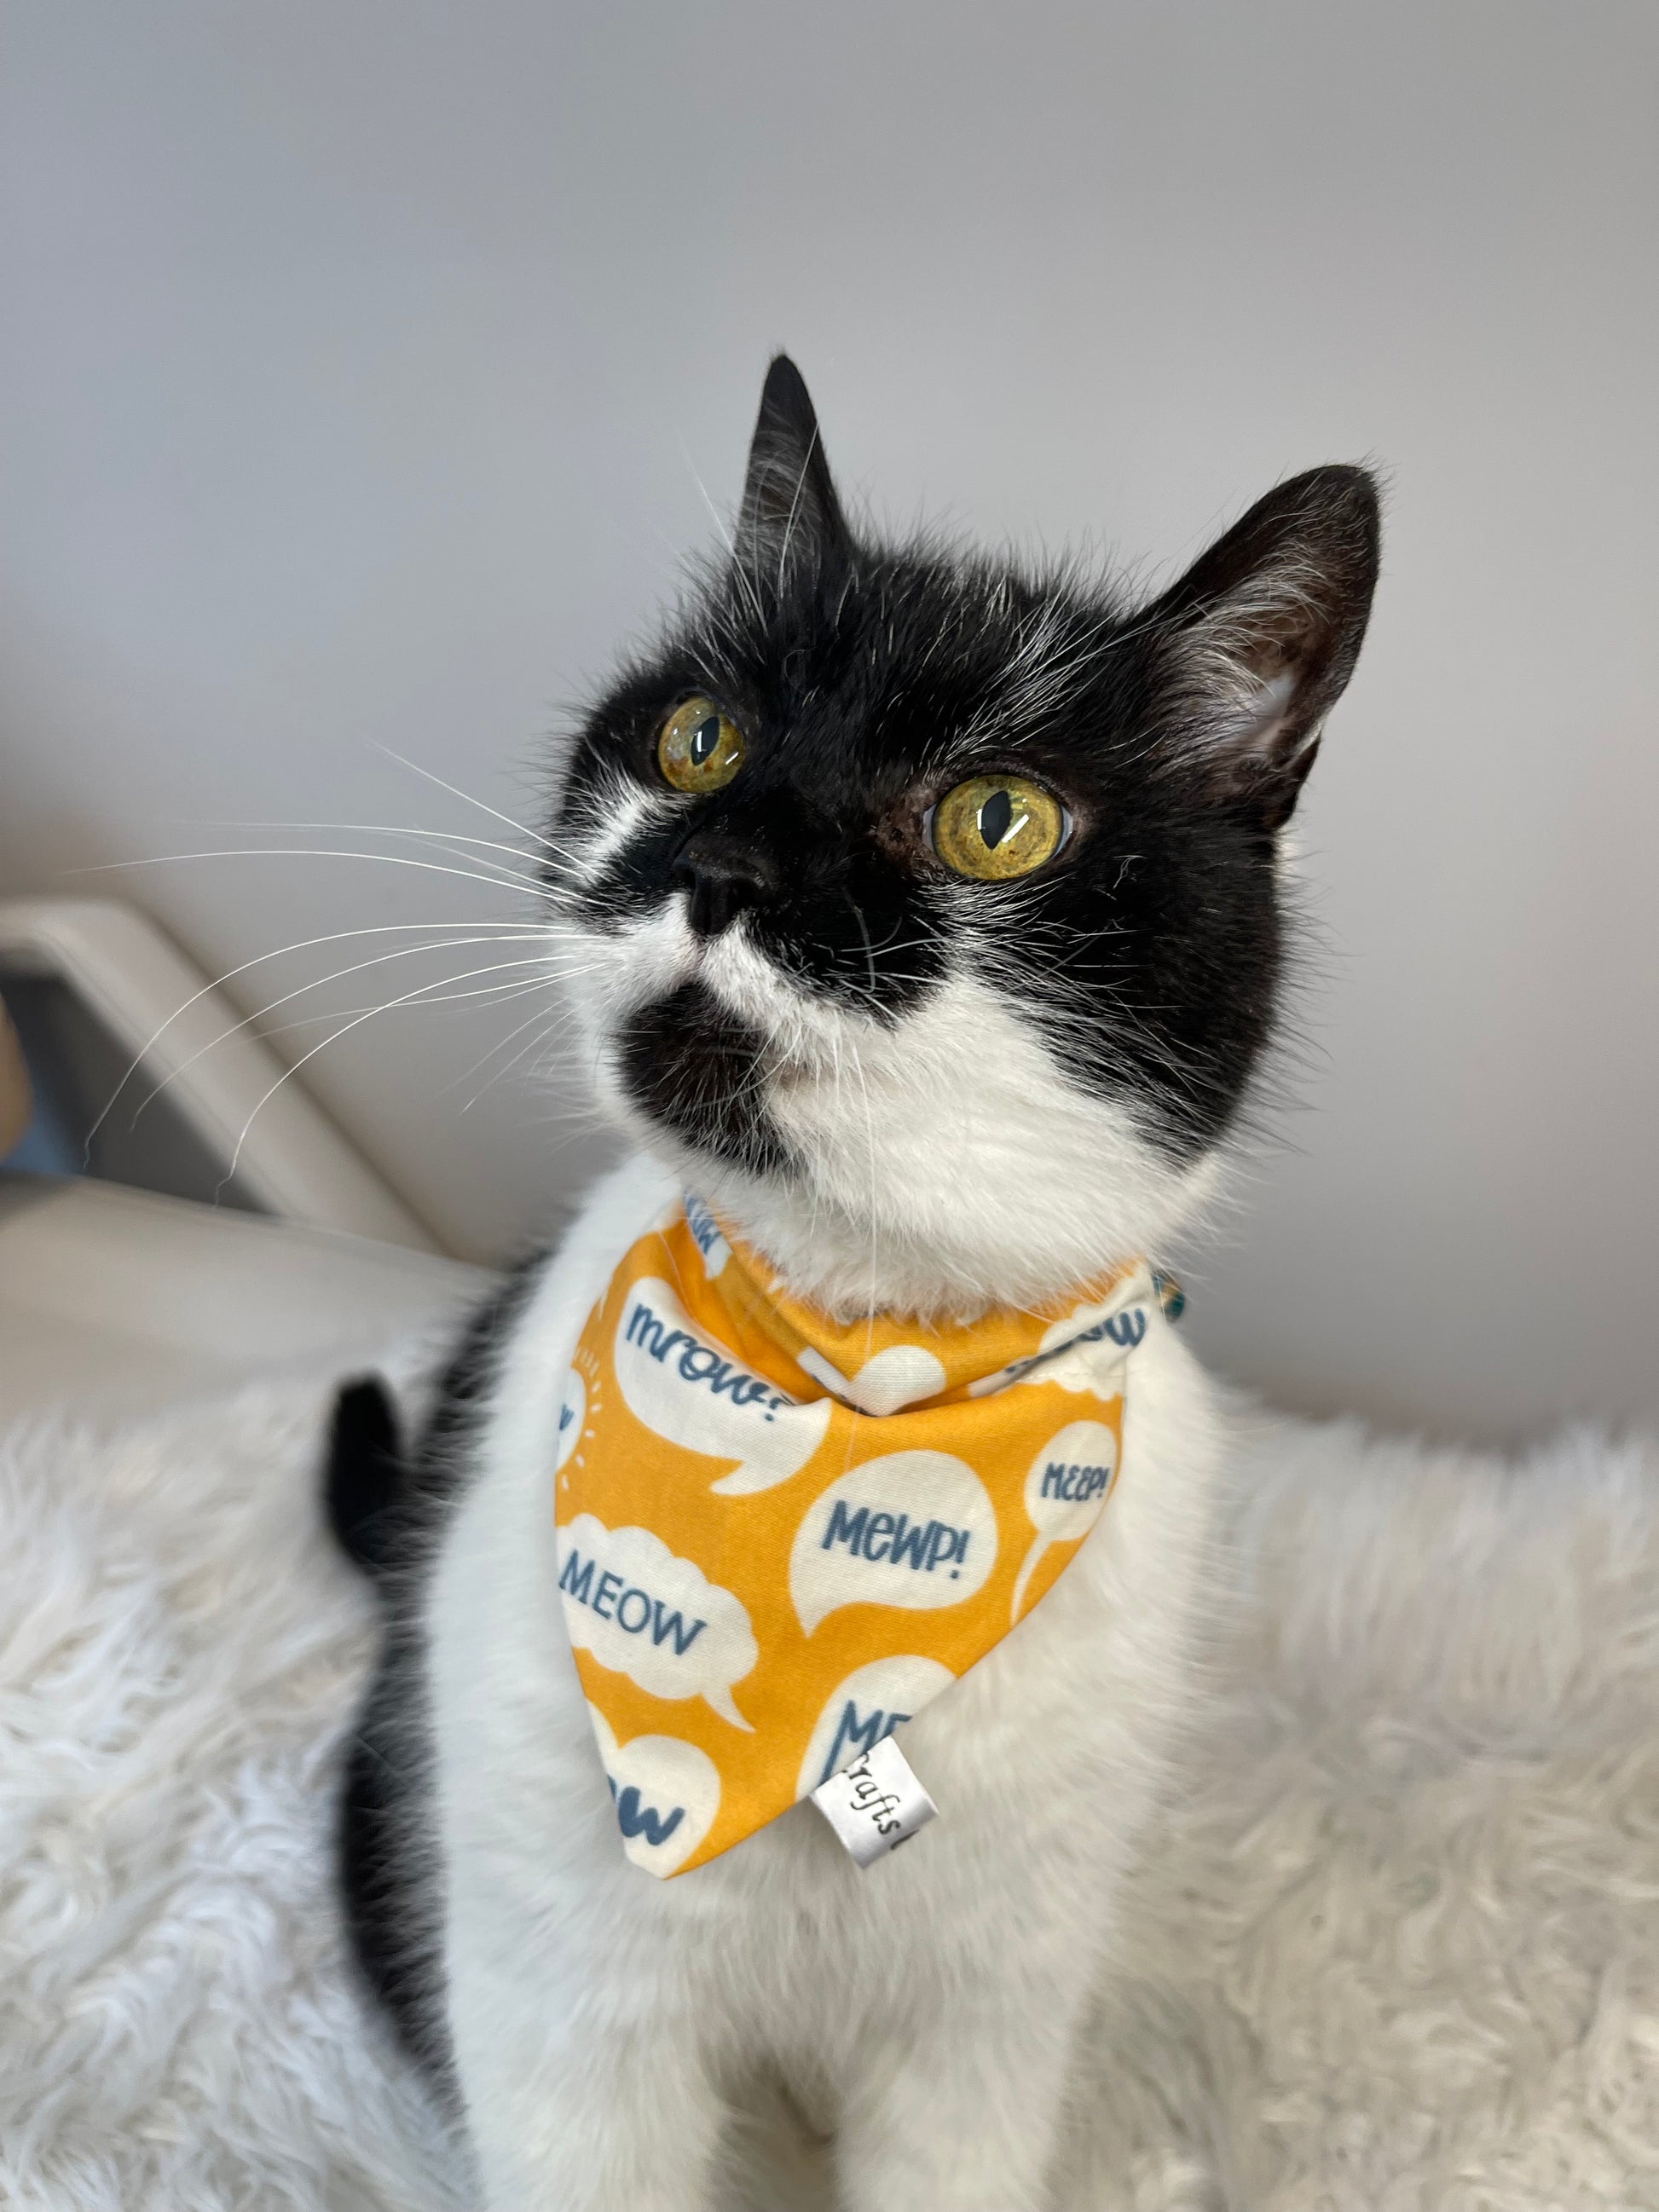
(1252, 647)
(789, 510)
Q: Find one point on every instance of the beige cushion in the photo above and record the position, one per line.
(13, 1087)
(114, 1301)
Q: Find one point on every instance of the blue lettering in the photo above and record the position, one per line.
(882, 1526)
(866, 1734)
(673, 1624)
(1124, 1328)
(846, 1527)
(942, 1542)
(700, 1363)
(894, 1538)
(745, 1389)
(910, 1547)
(633, 1627)
(1074, 1484)
(636, 1820)
(702, 1224)
(648, 1332)
(577, 1578)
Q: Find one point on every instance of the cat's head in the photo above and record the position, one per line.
(926, 908)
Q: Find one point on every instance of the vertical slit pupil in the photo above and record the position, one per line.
(994, 818)
(704, 740)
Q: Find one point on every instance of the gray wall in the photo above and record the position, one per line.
(362, 362)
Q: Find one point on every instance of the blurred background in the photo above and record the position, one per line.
(368, 369)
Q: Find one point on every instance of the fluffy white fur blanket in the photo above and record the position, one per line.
(1398, 1947)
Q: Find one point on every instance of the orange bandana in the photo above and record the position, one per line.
(778, 1536)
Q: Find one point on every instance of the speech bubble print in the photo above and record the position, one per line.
(913, 1528)
(867, 1706)
(572, 1412)
(645, 1612)
(1083, 1350)
(1065, 1491)
(666, 1793)
(899, 1376)
(708, 1236)
(687, 1389)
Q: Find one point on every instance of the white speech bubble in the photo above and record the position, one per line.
(666, 1793)
(708, 1236)
(694, 1393)
(644, 1612)
(899, 1376)
(913, 1528)
(572, 1412)
(1065, 1492)
(1086, 1350)
(867, 1706)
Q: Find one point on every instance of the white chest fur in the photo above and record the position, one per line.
(926, 2010)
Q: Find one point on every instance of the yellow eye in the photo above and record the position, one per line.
(994, 827)
(700, 748)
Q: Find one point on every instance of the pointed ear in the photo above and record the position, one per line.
(1252, 647)
(789, 506)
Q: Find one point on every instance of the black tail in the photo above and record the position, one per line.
(367, 1476)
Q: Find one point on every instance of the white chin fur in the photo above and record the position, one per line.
(946, 1164)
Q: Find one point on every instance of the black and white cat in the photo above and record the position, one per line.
(915, 1084)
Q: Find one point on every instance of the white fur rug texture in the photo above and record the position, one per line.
(1396, 1945)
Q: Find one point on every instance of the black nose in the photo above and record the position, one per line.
(724, 875)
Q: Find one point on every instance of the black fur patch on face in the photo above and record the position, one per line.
(698, 1073)
(866, 682)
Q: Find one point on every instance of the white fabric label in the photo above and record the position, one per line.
(875, 1804)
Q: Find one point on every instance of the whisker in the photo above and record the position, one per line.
(455, 792)
(314, 983)
(387, 1006)
(300, 945)
(501, 991)
(560, 1018)
(308, 853)
(447, 839)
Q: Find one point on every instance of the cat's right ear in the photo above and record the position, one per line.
(1252, 647)
(789, 510)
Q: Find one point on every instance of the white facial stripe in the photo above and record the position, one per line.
(640, 960)
(801, 1023)
(617, 811)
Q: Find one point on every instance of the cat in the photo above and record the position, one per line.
(919, 1078)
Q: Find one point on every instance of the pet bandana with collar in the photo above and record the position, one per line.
(778, 1536)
